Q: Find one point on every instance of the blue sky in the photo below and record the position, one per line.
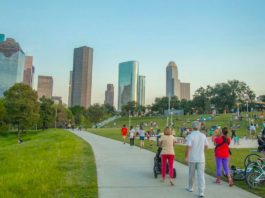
(211, 41)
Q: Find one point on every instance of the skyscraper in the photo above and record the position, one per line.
(82, 77)
(109, 95)
(28, 71)
(128, 77)
(70, 89)
(12, 61)
(185, 91)
(141, 90)
(172, 81)
(45, 86)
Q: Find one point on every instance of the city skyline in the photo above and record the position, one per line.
(211, 41)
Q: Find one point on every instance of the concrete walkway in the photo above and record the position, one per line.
(125, 171)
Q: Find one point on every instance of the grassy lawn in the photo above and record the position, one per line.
(53, 163)
(185, 121)
(237, 158)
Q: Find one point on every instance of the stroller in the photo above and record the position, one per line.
(157, 164)
(261, 142)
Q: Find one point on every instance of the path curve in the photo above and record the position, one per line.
(125, 171)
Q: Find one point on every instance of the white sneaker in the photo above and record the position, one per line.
(201, 195)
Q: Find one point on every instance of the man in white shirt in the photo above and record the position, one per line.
(196, 145)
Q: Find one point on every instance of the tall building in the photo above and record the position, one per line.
(2, 38)
(185, 91)
(70, 89)
(109, 95)
(28, 71)
(12, 61)
(172, 81)
(82, 77)
(141, 90)
(128, 77)
(173, 85)
(45, 86)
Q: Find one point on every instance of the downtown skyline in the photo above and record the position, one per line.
(211, 42)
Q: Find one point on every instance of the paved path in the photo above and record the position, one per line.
(127, 172)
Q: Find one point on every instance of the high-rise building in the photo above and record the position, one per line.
(173, 85)
(28, 71)
(172, 81)
(12, 61)
(141, 90)
(70, 89)
(2, 38)
(128, 77)
(82, 77)
(45, 86)
(109, 95)
(185, 91)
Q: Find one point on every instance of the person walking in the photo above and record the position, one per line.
(141, 136)
(222, 154)
(132, 135)
(167, 143)
(195, 157)
(252, 130)
(124, 132)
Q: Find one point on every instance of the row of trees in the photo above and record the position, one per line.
(221, 97)
(21, 109)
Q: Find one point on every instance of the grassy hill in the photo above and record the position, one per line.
(52, 163)
(185, 121)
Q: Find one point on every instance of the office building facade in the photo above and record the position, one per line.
(70, 89)
(12, 61)
(141, 90)
(128, 77)
(45, 86)
(174, 87)
(82, 77)
(28, 71)
(185, 91)
(109, 95)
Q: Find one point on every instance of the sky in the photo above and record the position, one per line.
(211, 41)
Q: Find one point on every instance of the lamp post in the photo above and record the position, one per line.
(168, 112)
(129, 119)
(171, 117)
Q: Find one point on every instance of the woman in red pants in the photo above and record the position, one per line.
(167, 143)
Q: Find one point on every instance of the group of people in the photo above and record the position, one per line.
(132, 135)
(196, 144)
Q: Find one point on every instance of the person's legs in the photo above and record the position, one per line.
(163, 166)
(171, 167)
(225, 162)
(201, 178)
(191, 175)
(218, 169)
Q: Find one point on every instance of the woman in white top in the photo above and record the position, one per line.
(167, 143)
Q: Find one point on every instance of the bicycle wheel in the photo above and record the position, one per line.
(252, 180)
(251, 158)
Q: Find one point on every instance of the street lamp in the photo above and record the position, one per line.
(169, 97)
(129, 119)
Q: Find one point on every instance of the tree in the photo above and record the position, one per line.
(201, 100)
(79, 114)
(22, 106)
(3, 124)
(129, 108)
(262, 98)
(96, 113)
(63, 116)
(47, 113)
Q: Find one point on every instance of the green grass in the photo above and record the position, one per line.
(185, 121)
(237, 158)
(52, 163)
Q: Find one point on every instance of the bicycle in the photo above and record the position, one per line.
(255, 173)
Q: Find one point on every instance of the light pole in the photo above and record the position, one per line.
(55, 116)
(129, 119)
(171, 117)
(168, 112)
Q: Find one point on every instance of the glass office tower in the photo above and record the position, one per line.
(12, 61)
(141, 90)
(128, 77)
